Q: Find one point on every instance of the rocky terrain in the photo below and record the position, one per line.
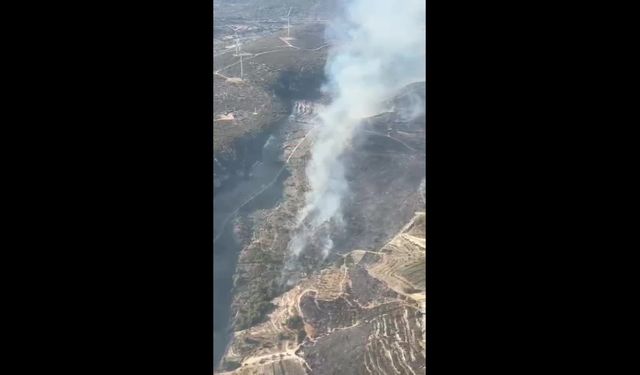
(251, 129)
(373, 281)
(361, 309)
(362, 314)
(273, 74)
(273, 11)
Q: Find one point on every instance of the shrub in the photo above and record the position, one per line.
(295, 323)
(301, 335)
(348, 260)
(230, 365)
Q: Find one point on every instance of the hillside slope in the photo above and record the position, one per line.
(368, 296)
(363, 314)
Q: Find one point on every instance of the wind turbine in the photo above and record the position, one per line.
(237, 40)
(239, 52)
(288, 37)
(237, 45)
(288, 24)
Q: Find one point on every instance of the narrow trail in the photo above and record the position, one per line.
(217, 72)
(288, 46)
(221, 75)
(265, 187)
(378, 335)
(223, 53)
(249, 58)
(303, 49)
(392, 138)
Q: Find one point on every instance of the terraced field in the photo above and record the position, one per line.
(357, 313)
(404, 259)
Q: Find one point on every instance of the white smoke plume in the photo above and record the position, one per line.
(378, 47)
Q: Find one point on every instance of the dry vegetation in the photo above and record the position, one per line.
(321, 317)
(255, 101)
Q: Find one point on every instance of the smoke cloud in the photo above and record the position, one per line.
(378, 47)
